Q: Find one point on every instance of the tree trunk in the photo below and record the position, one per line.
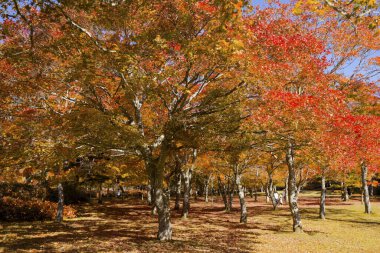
(149, 195)
(292, 189)
(178, 192)
(100, 199)
(163, 209)
(286, 189)
(186, 176)
(267, 198)
(367, 203)
(230, 190)
(222, 190)
(212, 189)
(243, 206)
(271, 190)
(59, 217)
(371, 188)
(230, 200)
(161, 198)
(346, 197)
(207, 182)
(255, 194)
(322, 204)
(362, 196)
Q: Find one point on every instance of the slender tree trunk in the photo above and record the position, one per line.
(243, 206)
(286, 189)
(267, 197)
(222, 190)
(230, 193)
(271, 190)
(149, 195)
(212, 189)
(178, 192)
(367, 203)
(100, 199)
(186, 176)
(292, 189)
(345, 196)
(255, 194)
(59, 217)
(371, 188)
(322, 205)
(207, 182)
(362, 196)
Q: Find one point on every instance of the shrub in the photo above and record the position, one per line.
(73, 194)
(15, 209)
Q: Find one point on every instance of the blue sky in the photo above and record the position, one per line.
(352, 66)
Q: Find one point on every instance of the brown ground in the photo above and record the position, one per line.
(128, 226)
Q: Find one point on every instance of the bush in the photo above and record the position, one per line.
(73, 194)
(17, 190)
(15, 209)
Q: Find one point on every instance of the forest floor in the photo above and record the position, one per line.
(128, 226)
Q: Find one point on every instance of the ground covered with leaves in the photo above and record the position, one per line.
(128, 226)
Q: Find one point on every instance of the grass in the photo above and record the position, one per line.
(128, 226)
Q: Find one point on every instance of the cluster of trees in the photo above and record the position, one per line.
(152, 91)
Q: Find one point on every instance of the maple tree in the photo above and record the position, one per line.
(151, 92)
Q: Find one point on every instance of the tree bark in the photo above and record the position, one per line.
(223, 192)
(186, 176)
(364, 171)
(322, 205)
(100, 199)
(371, 188)
(362, 196)
(163, 209)
(292, 189)
(178, 191)
(59, 217)
(230, 190)
(286, 189)
(243, 206)
(207, 182)
(271, 190)
(346, 197)
(149, 195)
